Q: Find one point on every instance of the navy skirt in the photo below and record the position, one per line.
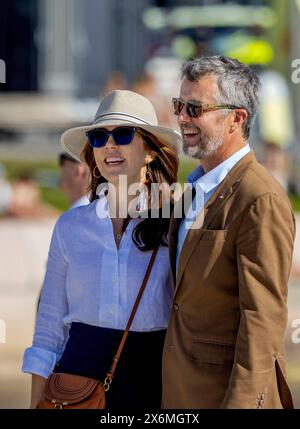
(137, 382)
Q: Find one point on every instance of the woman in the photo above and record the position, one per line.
(97, 260)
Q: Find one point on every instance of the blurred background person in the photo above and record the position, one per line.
(275, 159)
(6, 193)
(73, 180)
(26, 200)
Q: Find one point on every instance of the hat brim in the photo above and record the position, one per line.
(74, 139)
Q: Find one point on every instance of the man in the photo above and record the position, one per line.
(73, 180)
(224, 345)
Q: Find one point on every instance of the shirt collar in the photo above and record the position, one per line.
(208, 181)
(82, 201)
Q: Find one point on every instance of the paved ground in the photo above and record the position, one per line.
(23, 254)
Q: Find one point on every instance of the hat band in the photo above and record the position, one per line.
(117, 115)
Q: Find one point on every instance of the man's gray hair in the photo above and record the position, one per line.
(238, 84)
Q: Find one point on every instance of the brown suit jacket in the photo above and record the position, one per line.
(224, 344)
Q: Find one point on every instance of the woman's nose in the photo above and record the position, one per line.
(110, 142)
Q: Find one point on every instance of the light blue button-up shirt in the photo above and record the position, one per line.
(208, 184)
(90, 280)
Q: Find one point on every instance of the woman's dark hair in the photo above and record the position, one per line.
(150, 232)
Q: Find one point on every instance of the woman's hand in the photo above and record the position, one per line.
(37, 389)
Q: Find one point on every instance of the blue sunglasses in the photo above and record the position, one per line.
(121, 135)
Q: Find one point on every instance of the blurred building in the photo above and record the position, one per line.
(18, 47)
(60, 55)
(70, 46)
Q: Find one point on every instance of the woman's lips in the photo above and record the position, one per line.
(114, 160)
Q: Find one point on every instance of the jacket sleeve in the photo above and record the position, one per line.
(264, 254)
(50, 332)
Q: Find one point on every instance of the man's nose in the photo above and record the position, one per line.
(183, 116)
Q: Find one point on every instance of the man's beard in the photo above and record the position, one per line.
(206, 146)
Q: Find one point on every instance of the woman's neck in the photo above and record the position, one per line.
(119, 201)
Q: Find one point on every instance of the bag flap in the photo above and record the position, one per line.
(69, 388)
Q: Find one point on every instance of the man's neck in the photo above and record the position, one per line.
(223, 153)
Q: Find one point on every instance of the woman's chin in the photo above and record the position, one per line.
(112, 172)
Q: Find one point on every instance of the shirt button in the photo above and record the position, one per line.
(176, 307)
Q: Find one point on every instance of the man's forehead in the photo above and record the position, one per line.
(205, 88)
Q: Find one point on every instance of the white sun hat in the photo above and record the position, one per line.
(118, 108)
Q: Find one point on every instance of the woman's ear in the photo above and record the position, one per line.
(149, 158)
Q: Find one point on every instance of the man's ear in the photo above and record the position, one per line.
(239, 117)
(81, 170)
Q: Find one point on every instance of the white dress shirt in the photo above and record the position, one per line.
(90, 280)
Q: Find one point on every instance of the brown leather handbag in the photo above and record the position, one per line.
(74, 391)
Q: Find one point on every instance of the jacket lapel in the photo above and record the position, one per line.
(173, 233)
(213, 206)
